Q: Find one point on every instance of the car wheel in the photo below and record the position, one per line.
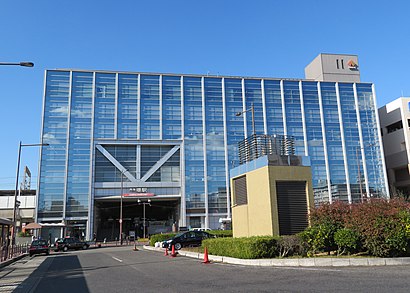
(85, 246)
(178, 246)
(31, 254)
(48, 252)
(65, 248)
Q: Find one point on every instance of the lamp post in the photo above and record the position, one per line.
(24, 64)
(143, 213)
(252, 109)
(17, 184)
(255, 148)
(122, 187)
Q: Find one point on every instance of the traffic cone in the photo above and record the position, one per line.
(173, 253)
(206, 260)
(166, 251)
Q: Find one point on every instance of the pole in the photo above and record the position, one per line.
(121, 208)
(143, 219)
(15, 197)
(253, 119)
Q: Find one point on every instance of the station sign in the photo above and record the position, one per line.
(139, 192)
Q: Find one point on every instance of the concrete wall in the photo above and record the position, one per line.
(397, 143)
(333, 67)
(260, 216)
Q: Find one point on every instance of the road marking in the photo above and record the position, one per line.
(117, 259)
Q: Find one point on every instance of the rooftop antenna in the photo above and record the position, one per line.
(207, 73)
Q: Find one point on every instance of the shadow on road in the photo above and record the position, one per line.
(58, 274)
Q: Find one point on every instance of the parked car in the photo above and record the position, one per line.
(39, 246)
(67, 243)
(200, 229)
(190, 238)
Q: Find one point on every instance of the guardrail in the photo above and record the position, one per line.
(12, 251)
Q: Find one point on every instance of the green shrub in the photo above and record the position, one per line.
(319, 238)
(221, 233)
(244, 248)
(160, 237)
(291, 245)
(347, 241)
(24, 234)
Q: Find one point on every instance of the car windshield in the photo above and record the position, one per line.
(179, 234)
(38, 242)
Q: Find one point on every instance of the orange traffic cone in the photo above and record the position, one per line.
(206, 260)
(173, 253)
(166, 251)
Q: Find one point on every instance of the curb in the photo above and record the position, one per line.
(12, 260)
(297, 262)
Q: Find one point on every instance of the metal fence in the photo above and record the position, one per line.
(257, 146)
(9, 252)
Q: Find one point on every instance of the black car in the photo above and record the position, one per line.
(39, 246)
(190, 238)
(70, 243)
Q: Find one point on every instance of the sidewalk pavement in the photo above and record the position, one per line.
(12, 260)
(297, 262)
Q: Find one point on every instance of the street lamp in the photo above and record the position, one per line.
(252, 109)
(143, 214)
(122, 187)
(24, 64)
(17, 184)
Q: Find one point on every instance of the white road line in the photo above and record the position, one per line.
(117, 259)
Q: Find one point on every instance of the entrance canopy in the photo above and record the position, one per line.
(33, 226)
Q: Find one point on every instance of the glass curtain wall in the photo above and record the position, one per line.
(193, 143)
(253, 96)
(368, 120)
(273, 102)
(215, 149)
(315, 138)
(352, 139)
(78, 173)
(150, 103)
(234, 124)
(293, 112)
(127, 106)
(171, 107)
(53, 158)
(333, 141)
(104, 115)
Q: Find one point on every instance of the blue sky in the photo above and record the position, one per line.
(241, 38)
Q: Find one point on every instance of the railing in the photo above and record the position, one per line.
(257, 146)
(12, 251)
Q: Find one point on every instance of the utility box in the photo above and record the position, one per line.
(271, 196)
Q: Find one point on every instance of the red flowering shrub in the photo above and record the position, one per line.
(383, 225)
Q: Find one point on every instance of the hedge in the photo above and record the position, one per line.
(221, 233)
(244, 248)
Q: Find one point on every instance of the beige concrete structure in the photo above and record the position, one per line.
(261, 213)
(395, 127)
(334, 67)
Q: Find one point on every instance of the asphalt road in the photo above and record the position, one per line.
(120, 269)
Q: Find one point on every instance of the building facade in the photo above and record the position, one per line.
(395, 127)
(118, 138)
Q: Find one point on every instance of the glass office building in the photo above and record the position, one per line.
(127, 145)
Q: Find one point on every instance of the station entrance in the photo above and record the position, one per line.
(161, 216)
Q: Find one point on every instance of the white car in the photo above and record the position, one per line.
(200, 229)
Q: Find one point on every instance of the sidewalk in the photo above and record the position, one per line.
(297, 262)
